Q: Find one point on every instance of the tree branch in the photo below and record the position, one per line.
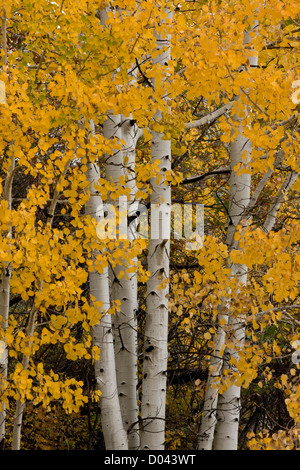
(286, 185)
(262, 183)
(195, 179)
(146, 79)
(4, 35)
(209, 117)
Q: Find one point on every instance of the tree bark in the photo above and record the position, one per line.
(20, 405)
(154, 379)
(115, 435)
(219, 425)
(228, 407)
(125, 289)
(5, 277)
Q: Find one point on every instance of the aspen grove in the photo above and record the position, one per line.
(149, 225)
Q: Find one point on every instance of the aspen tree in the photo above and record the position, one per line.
(123, 285)
(125, 289)
(105, 368)
(6, 270)
(220, 420)
(31, 325)
(5, 297)
(156, 328)
(220, 424)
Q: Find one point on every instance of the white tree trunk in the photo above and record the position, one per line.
(4, 312)
(154, 379)
(275, 206)
(125, 289)
(225, 408)
(122, 288)
(20, 404)
(220, 421)
(115, 435)
(5, 276)
(156, 327)
(209, 419)
(228, 407)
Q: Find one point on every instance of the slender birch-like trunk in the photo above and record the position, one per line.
(5, 273)
(20, 405)
(228, 410)
(115, 435)
(220, 408)
(5, 277)
(209, 419)
(154, 379)
(228, 407)
(275, 206)
(125, 288)
(156, 327)
(220, 420)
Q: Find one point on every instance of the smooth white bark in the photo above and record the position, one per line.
(275, 206)
(154, 380)
(125, 289)
(115, 435)
(209, 418)
(228, 408)
(5, 277)
(225, 408)
(21, 404)
(156, 327)
(220, 420)
(210, 117)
